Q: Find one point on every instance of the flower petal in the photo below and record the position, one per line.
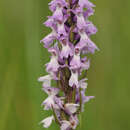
(71, 108)
(73, 79)
(65, 125)
(47, 121)
(46, 80)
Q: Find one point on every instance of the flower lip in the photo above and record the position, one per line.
(50, 22)
(48, 40)
(74, 121)
(71, 108)
(58, 14)
(65, 125)
(51, 90)
(66, 50)
(55, 3)
(47, 121)
(74, 79)
(46, 80)
(53, 51)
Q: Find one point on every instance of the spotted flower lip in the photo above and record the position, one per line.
(74, 79)
(69, 44)
(53, 65)
(61, 29)
(75, 62)
(49, 101)
(51, 90)
(66, 51)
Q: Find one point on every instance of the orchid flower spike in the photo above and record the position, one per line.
(69, 44)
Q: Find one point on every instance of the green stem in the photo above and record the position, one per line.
(55, 116)
(80, 121)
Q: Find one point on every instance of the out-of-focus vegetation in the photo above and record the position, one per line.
(22, 60)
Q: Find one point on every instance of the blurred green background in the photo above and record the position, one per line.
(22, 60)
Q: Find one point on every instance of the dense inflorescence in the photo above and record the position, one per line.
(69, 44)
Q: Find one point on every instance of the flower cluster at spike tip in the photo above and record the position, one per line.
(69, 44)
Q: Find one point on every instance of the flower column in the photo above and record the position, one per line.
(68, 42)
